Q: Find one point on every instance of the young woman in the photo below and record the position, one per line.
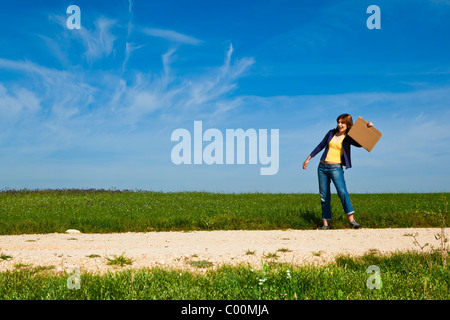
(336, 155)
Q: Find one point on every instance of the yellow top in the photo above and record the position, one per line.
(335, 150)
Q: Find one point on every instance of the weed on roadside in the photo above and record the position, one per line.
(119, 261)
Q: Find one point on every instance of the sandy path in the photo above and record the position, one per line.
(178, 249)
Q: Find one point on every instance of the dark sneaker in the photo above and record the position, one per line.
(355, 225)
(326, 228)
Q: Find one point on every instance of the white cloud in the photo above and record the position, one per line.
(19, 104)
(130, 6)
(129, 49)
(83, 109)
(177, 97)
(53, 103)
(171, 35)
(100, 42)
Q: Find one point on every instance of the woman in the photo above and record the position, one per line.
(336, 155)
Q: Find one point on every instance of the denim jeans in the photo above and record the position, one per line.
(335, 173)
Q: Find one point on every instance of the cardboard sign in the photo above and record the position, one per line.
(367, 137)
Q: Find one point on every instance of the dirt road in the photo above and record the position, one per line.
(88, 252)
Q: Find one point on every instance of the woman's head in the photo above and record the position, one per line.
(344, 123)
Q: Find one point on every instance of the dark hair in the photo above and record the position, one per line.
(347, 119)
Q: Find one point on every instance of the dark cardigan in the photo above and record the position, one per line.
(348, 141)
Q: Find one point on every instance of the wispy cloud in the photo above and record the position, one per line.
(130, 6)
(62, 100)
(171, 35)
(177, 96)
(129, 49)
(100, 42)
(16, 105)
(57, 99)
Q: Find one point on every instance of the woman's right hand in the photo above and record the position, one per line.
(305, 164)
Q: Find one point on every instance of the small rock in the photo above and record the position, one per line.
(73, 231)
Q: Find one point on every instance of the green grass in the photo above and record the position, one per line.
(103, 211)
(119, 261)
(201, 263)
(403, 275)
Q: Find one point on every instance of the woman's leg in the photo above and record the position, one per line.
(325, 193)
(337, 177)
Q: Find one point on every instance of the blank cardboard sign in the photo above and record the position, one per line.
(367, 137)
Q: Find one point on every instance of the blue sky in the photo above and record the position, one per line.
(96, 107)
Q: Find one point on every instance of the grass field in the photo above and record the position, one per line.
(410, 275)
(103, 211)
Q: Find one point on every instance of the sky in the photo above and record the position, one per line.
(96, 106)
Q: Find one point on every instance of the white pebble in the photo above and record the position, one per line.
(72, 231)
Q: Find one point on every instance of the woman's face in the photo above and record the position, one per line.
(342, 126)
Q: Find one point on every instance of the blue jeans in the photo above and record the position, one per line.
(335, 173)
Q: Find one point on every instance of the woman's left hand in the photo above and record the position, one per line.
(369, 124)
